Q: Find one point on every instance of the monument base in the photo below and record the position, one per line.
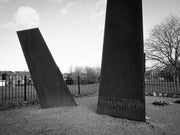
(121, 108)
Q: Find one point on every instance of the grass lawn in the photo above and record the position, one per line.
(83, 120)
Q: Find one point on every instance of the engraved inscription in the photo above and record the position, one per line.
(121, 103)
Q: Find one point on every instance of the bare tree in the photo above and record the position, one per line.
(163, 44)
(70, 69)
(87, 74)
(78, 70)
(92, 72)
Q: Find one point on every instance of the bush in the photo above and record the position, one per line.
(69, 80)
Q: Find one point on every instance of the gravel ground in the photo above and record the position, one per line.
(83, 120)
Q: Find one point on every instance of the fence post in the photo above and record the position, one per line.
(79, 92)
(25, 98)
(177, 82)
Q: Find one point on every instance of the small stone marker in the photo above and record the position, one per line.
(121, 91)
(48, 80)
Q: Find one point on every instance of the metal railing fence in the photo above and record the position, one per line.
(21, 88)
(162, 82)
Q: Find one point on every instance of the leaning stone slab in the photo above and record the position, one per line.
(121, 91)
(48, 80)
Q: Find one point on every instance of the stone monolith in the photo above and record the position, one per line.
(48, 80)
(121, 91)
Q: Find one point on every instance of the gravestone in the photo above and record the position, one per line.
(48, 80)
(121, 92)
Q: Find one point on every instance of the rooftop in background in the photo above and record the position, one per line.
(17, 73)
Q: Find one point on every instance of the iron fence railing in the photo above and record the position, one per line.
(162, 82)
(21, 88)
(17, 88)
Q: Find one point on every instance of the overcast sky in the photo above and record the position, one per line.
(72, 29)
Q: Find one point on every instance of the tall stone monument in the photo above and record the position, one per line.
(121, 91)
(48, 80)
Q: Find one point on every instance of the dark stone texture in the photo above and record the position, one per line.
(122, 75)
(48, 80)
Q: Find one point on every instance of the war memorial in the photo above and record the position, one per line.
(121, 92)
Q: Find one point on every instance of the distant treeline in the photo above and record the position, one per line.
(87, 75)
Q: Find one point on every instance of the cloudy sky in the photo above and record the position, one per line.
(72, 29)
